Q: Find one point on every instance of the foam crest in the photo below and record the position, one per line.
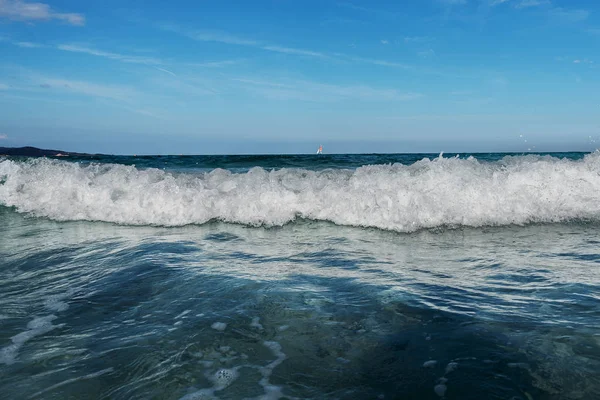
(36, 327)
(426, 194)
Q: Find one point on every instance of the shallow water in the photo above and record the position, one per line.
(309, 309)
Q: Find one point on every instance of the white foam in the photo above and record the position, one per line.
(219, 326)
(56, 304)
(430, 364)
(428, 193)
(36, 327)
(204, 394)
(272, 392)
(256, 324)
(451, 367)
(183, 314)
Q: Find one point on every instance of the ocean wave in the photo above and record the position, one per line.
(404, 198)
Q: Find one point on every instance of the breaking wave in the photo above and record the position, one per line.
(404, 198)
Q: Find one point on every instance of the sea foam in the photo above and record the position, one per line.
(405, 198)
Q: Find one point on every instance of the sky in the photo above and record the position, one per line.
(284, 76)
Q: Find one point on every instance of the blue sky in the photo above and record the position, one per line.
(283, 76)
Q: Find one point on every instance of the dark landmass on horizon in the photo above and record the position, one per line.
(29, 151)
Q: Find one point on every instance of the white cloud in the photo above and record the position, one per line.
(3, 86)
(2, 136)
(583, 61)
(113, 56)
(385, 42)
(18, 10)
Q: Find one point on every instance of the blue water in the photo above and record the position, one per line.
(301, 277)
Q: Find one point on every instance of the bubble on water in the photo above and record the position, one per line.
(224, 377)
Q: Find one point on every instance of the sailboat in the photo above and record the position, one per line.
(320, 150)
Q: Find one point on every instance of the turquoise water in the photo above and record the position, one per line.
(339, 277)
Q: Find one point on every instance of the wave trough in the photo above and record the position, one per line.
(404, 198)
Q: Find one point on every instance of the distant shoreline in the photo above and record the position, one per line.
(30, 151)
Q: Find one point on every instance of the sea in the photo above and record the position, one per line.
(396, 276)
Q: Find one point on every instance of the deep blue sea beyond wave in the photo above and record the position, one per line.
(402, 276)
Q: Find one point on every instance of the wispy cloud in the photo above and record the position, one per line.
(114, 92)
(383, 63)
(563, 15)
(3, 136)
(367, 10)
(227, 38)
(4, 86)
(223, 37)
(106, 54)
(29, 45)
(290, 50)
(209, 36)
(321, 92)
(214, 64)
(187, 85)
(532, 3)
(452, 2)
(385, 41)
(461, 93)
(18, 10)
(166, 71)
(583, 61)
(594, 31)
(417, 39)
(426, 53)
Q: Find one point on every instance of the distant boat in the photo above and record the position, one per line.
(320, 150)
